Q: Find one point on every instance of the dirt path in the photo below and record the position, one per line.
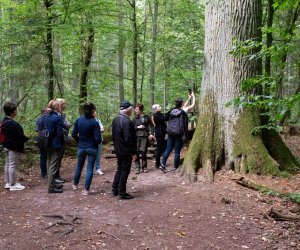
(167, 213)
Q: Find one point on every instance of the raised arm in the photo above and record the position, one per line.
(190, 107)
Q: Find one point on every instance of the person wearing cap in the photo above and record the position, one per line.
(123, 135)
(175, 141)
(142, 125)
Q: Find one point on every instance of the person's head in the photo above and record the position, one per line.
(156, 108)
(63, 103)
(125, 108)
(45, 111)
(10, 109)
(89, 110)
(139, 108)
(178, 103)
(54, 105)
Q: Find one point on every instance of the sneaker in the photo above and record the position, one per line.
(74, 187)
(163, 168)
(7, 186)
(16, 187)
(99, 172)
(137, 171)
(86, 192)
(145, 170)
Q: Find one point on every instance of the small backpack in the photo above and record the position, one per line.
(178, 124)
(2, 136)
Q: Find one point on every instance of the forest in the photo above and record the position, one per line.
(238, 185)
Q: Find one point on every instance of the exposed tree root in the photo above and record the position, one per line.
(115, 237)
(281, 217)
(63, 221)
(263, 189)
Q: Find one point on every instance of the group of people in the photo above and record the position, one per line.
(130, 138)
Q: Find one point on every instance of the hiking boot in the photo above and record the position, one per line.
(163, 168)
(55, 191)
(59, 186)
(99, 172)
(16, 187)
(114, 193)
(126, 196)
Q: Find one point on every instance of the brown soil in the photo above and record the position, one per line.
(167, 213)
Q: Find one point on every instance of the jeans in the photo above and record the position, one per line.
(173, 141)
(98, 157)
(121, 176)
(11, 162)
(82, 153)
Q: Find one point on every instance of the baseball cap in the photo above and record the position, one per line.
(125, 105)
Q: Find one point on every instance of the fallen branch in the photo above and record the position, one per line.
(281, 217)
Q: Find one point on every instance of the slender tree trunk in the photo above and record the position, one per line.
(134, 52)
(12, 74)
(120, 51)
(223, 134)
(269, 39)
(153, 52)
(85, 64)
(144, 52)
(49, 49)
(1, 65)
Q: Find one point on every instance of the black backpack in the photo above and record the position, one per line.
(178, 124)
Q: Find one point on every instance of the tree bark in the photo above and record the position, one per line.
(120, 51)
(49, 50)
(134, 52)
(85, 64)
(153, 52)
(223, 134)
(269, 38)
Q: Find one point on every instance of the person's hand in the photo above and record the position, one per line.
(134, 157)
(141, 126)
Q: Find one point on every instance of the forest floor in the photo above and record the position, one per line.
(166, 213)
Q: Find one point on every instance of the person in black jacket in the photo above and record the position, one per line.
(123, 135)
(159, 120)
(13, 146)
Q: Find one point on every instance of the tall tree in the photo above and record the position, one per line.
(49, 49)
(86, 60)
(153, 51)
(223, 135)
(120, 50)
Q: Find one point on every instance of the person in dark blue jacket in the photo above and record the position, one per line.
(56, 142)
(86, 133)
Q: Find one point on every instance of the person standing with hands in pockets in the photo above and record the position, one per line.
(123, 135)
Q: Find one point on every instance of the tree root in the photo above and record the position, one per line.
(115, 237)
(280, 217)
(63, 221)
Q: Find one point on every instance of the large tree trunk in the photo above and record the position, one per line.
(223, 134)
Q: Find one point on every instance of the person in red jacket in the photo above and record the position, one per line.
(13, 146)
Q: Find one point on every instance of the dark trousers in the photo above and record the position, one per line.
(43, 161)
(160, 148)
(121, 176)
(57, 175)
(142, 147)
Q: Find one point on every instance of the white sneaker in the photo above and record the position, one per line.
(99, 172)
(85, 192)
(7, 186)
(16, 187)
(74, 187)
